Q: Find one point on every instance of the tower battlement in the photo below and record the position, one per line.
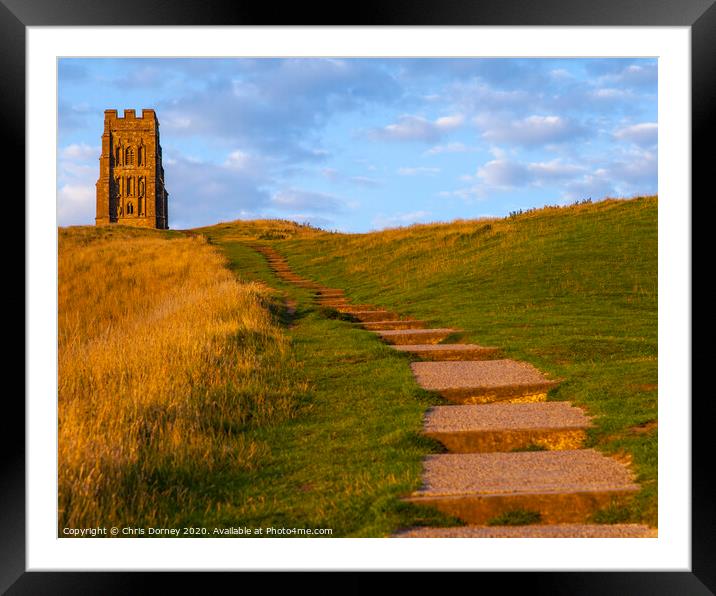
(130, 188)
(130, 114)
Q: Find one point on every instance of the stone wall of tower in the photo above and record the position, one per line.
(130, 187)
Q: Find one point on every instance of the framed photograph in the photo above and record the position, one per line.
(397, 294)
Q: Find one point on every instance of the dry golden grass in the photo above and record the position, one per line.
(164, 357)
(261, 229)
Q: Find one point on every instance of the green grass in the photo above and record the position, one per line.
(353, 447)
(516, 517)
(570, 290)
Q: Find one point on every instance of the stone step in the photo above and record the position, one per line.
(507, 427)
(534, 531)
(354, 308)
(562, 486)
(394, 324)
(413, 336)
(372, 316)
(449, 351)
(338, 301)
(483, 381)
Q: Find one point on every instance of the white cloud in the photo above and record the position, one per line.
(504, 174)
(592, 186)
(249, 165)
(417, 128)
(400, 219)
(77, 173)
(638, 168)
(553, 170)
(609, 93)
(477, 191)
(633, 75)
(76, 204)
(81, 151)
(292, 198)
(475, 96)
(644, 134)
(418, 171)
(338, 177)
(530, 131)
(203, 192)
(237, 160)
(448, 148)
(365, 181)
(449, 122)
(331, 173)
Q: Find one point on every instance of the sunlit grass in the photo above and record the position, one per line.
(164, 358)
(573, 290)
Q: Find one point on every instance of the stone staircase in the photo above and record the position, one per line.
(511, 454)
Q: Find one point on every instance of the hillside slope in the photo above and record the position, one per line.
(572, 290)
(166, 362)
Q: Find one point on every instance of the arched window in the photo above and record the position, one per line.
(141, 156)
(140, 187)
(130, 208)
(117, 154)
(130, 186)
(129, 154)
(140, 207)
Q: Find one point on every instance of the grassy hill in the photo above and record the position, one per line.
(259, 229)
(166, 364)
(190, 395)
(572, 290)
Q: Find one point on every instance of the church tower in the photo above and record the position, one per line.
(130, 189)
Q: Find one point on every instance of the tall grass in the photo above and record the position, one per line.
(164, 358)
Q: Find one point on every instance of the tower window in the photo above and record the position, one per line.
(129, 156)
(130, 208)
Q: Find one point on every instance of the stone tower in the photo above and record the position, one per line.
(130, 189)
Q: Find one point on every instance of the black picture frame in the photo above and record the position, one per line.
(700, 15)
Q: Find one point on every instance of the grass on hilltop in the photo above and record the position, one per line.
(355, 446)
(189, 396)
(164, 360)
(259, 229)
(185, 401)
(571, 290)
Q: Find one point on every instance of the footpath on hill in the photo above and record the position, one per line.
(571, 290)
(353, 446)
(514, 465)
(475, 321)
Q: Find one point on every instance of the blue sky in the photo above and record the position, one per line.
(362, 144)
